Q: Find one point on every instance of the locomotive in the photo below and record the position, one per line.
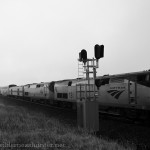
(125, 94)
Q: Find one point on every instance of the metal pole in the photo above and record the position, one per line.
(94, 77)
(87, 73)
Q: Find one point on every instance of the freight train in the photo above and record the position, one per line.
(125, 94)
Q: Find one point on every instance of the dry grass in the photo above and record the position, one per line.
(21, 129)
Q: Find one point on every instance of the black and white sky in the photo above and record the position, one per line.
(40, 39)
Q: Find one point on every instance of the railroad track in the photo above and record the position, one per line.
(119, 118)
(43, 104)
(102, 114)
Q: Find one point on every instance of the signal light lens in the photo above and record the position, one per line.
(84, 55)
(99, 51)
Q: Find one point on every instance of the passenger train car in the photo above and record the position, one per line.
(5, 90)
(126, 94)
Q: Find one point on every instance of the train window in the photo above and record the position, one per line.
(104, 81)
(141, 78)
(99, 82)
(69, 83)
(65, 95)
(26, 93)
(38, 86)
(59, 95)
(62, 95)
(144, 79)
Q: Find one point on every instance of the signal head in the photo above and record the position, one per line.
(84, 55)
(99, 51)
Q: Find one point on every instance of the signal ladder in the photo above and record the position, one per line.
(80, 70)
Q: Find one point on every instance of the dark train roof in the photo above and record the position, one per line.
(12, 85)
(125, 74)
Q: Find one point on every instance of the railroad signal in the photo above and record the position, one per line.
(99, 51)
(83, 55)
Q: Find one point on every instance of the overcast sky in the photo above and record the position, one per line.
(40, 39)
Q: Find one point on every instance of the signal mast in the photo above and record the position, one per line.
(87, 105)
(99, 53)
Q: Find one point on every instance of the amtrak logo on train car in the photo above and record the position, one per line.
(115, 93)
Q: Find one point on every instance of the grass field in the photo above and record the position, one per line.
(21, 129)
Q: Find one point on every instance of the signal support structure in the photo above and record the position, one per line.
(87, 105)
